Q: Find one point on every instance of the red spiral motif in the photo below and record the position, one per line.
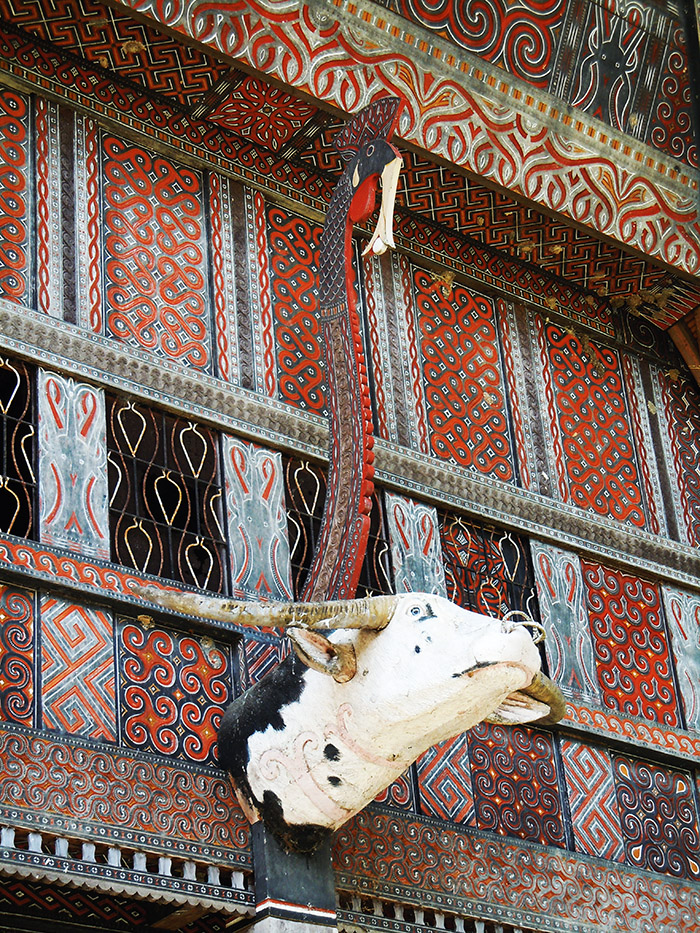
(174, 692)
(17, 656)
(515, 783)
(658, 816)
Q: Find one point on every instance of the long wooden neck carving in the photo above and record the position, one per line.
(342, 543)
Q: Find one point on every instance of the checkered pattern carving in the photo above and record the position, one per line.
(17, 656)
(445, 783)
(631, 644)
(564, 613)
(415, 546)
(592, 801)
(77, 670)
(173, 691)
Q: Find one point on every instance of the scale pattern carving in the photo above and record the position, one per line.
(464, 389)
(155, 260)
(631, 644)
(173, 691)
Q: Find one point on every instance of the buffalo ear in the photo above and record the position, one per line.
(321, 654)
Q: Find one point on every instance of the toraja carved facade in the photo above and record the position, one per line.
(164, 174)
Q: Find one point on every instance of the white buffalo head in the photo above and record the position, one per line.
(317, 739)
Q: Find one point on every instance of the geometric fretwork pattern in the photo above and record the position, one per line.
(631, 644)
(592, 801)
(659, 817)
(444, 781)
(14, 196)
(155, 255)
(17, 656)
(514, 780)
(262, 657)
(464, 387)
(173, 691)
(293, 254)
(77, 670)
(591, 433)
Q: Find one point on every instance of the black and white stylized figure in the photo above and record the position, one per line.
(316, 740)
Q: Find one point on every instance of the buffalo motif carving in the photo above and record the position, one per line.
(372, 684)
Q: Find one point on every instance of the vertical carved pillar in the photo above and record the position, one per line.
(415, 546)
(565, 617)
(72, 466)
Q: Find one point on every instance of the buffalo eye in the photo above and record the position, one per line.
(415, 610)
(417, 649)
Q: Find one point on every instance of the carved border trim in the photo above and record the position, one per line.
(469, 113)
(431, 864)
(66, 347)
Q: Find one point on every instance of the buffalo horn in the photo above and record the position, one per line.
(372, 612)
(546, 691)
